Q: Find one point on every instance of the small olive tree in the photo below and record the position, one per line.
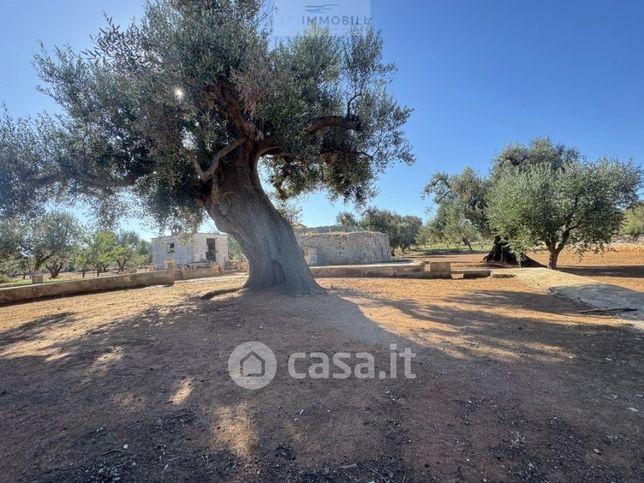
(47, 240)
(131, 250)
(460, 212)
(99, 250)
(346, 218)
(451, 224)
(633, 221)
(575, 203)
(50, 240)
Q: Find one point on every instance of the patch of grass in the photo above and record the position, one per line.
(26, 281)
(15, 283)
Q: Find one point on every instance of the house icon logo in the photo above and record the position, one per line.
(252, 365)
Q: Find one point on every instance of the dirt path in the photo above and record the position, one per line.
(623, 302)
(623, 265)
(512, 384)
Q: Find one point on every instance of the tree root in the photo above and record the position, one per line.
(222, 291)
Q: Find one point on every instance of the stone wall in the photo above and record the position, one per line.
(628, 240)
(201, 272)
(340, 248)
(27, 293)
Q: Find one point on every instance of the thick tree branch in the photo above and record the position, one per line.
(269, 145)
(340, 151)
(353, 98)
(351, 123)
(224, 95)
(206, 175)
(564, 239)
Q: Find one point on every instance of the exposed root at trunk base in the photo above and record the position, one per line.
(500, 255)
(248, 289)
(222, 291)
(284, 289)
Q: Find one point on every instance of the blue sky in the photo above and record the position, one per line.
(479, 74)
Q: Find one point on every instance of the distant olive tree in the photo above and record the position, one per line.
(51, 239)
(47, 240)
(345, 218)
(99, 251)
(450, 224)
(288, 208)
(402, 230)
(633, 221)
(131, 250)
(408, 228)
(82, 259)
(575, 203)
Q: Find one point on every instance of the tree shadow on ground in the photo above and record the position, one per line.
(625, 271)
(148, 397)
(551, 328)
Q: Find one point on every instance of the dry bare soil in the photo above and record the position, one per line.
(623, 265)
(511, 385)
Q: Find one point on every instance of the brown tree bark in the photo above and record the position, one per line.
(552, 258)
(54, 270)
(556, 248)
(235, 200)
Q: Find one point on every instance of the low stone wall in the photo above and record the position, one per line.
(340, 248)
(628, 240)
(27, 293)
(423, 270)
(370, 270)
(201, 272)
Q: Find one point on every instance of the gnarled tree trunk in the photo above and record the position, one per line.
(553, 255)
(501, 254)
(54, 269)
(240, 207)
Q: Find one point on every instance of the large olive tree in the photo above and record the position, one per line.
(180, 108)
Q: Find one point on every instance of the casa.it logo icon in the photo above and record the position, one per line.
(252, 365)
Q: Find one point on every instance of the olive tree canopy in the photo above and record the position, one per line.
(178, 109)
(577, 203)
(401, 230)
(47, 240)
(540, 193)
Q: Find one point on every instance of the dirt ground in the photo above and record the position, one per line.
(511, 385)
(622, 265)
